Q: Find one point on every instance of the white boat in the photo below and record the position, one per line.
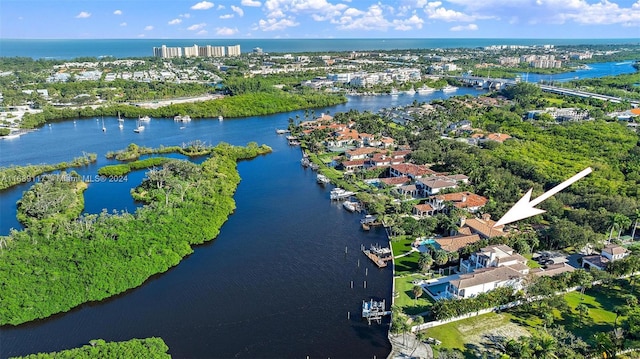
(10, 136)
(410, 91)
(350, 206)
(282, 132)
(425, 90)
(120, 119)
(449, 88)
(145, 119)
(394, 92)
(120, 126)
(339, 193)
(220, 118)
(184, 118)
(322, 179)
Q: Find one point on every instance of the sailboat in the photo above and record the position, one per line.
(139, 128)
(120, 121)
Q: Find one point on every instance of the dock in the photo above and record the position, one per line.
(380, 256)
(340, 194)
(374, 310)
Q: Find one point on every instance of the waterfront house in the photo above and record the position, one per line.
(360, 153)
(423, 210)
(484, 227)
(411, 170)
(395, 181)
(498, 255)
(484, 280)
(610, 253)
(468, 201)
(457, 242)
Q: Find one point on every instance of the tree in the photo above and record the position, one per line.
(440, 257)
(417, 292)
(425, 262)
(636, 216)
(583, 311)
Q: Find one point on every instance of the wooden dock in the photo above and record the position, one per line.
(379, 256)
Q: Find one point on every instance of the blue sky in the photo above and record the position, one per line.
(182, 19)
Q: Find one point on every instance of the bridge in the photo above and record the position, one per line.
(498, 83)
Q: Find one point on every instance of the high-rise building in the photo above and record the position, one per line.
(191, 51)
(195, 51)
(167, 52)
(218, 51)
(233, 50)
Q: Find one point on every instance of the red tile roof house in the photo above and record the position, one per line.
(468, 201)
(610, 253)
(411, 170)
(395, 181)
(360, 153)
(350, 166)
(423, 210)
(382, 160)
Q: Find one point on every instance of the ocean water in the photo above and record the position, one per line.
(123, 48)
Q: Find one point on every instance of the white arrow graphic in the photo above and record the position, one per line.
(525, 207)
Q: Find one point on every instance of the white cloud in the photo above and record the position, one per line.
(470, 27)
(175, 21)
(408, 24)
(220, 7)
(372, 19)
(202, 32)
(117, 12)
(226, 31)
(123, 24)
(250, 3)
(602, 12)
(275, 25)
(186, 16)
(195, 27)
(83, 15)
(148, 28)
(238, 10)
(227, 16)
(435, 12)
(320, 10)
(203, 5)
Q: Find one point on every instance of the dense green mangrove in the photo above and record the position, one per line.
(150, 348)
(57, 263)
(14, 175)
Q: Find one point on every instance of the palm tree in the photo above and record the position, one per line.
(636, 216)
(544, 346)
(417, 292)
(425, 262)
(619, 222)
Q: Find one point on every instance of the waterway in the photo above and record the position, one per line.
(276, 282)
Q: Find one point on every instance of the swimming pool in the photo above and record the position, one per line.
(438, 289)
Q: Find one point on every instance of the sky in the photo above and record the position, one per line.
(237, 19)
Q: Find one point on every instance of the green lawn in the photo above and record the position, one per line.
(404, 300)
(470, 333)
(401, 245)
(407, 264)
(601, 303)
(530, 262)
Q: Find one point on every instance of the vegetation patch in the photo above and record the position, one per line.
(151, 348)
(57, 263)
